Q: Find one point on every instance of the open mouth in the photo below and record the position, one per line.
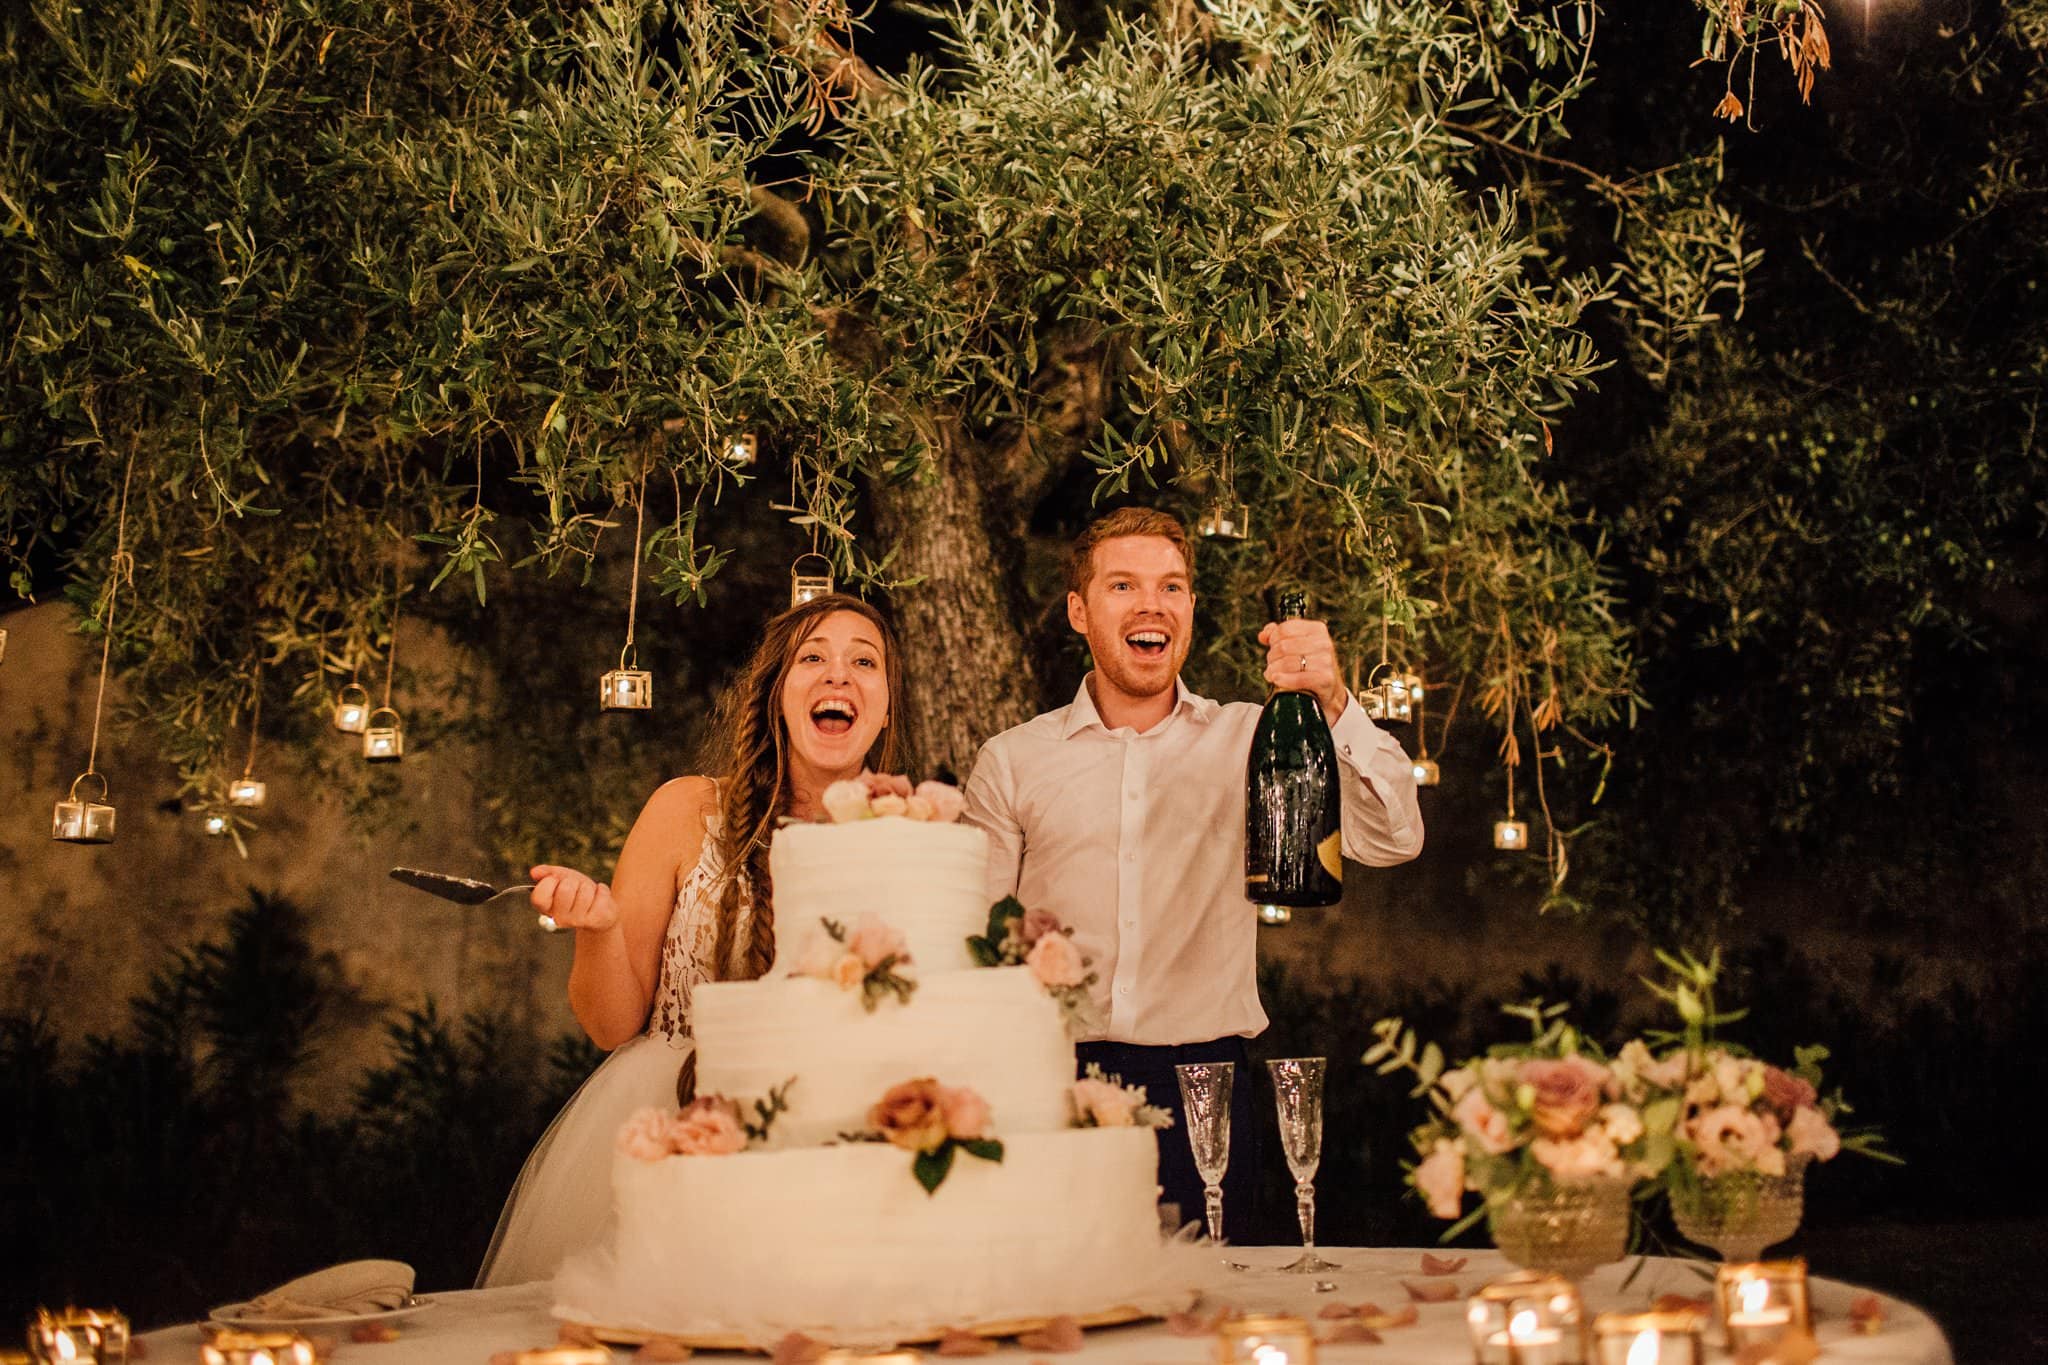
(833, 716)
(1147, 644)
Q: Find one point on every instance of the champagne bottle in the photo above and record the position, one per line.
(1292, 805)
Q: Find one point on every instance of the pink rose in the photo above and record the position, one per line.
(1731, 1137)
(1441, 1178)
(889, 804)
(709, 1127)
(849, 971)
(1787, 1093)
(1568, 1094)
(1036, 924)
(1483, 1123)
(946, 800)
(846, 801)
(912, 1115)
(1810, 1134)
(872, 940)
(915, 807)
(1104, 1105)
(1055, 961)
(966, 1113)
(1589, 1156)
(645, 1136)
(884, 784)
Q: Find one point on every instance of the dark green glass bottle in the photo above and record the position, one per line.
(1292, 806)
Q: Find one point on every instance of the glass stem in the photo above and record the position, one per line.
(1212, 1195)
(1305, 1208)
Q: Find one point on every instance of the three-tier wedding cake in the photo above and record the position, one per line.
(888, 1140)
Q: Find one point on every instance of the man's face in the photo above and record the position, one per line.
(1138, 613)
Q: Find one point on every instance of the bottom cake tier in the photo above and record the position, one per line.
(843, 1244)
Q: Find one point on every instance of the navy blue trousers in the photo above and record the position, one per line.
(1152, 1067)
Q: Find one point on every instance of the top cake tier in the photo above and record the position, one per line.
(928, 880)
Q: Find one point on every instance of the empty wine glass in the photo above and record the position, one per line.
(1298, 1093)
(1205, 1097)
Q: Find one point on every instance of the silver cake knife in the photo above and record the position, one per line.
(462, 890)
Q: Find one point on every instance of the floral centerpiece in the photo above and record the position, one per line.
(871, 958)
(1016, 937)
(872, 796)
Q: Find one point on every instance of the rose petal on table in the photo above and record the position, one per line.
(1062, 1335)
(1442, 1265)
(958, 1343)
(1794, 1348)
(1678, 1303)
(1352, 1333)
(797, 1349)
(1337, 1310)
(575, 1334)
(662, 1348)
(1193, 1324)
(368, 1332)
(1378, 1321)
(1866, 1315)
(1436, 1292)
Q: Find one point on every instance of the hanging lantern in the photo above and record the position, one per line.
(1388, 699)
(384, 743)
(352, 710)
(742, 448)
(1275, 914)
(1226, 520)
(247, 792)
(626, 689)
(216, 824)
(1427, 774)
(84, 821)
(1512, 835)
(805, 587)
(78, 1336)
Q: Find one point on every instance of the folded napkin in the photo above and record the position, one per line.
(345, 1290)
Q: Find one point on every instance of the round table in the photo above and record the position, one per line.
(466, 1327)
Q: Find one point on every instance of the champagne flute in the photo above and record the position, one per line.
(1205, 1099)
(1298, 1093)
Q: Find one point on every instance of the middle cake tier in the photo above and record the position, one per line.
(994, 1030)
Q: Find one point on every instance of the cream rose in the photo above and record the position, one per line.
(1483, 1123)
(846, 801)
(1103, 1105)
(645, 1135)
(1731, 1137)
(1810, 1134)
(946, 800)
(873, 940)
(1055, 961)
(1455, 1082)
(891, 804)
(1440, 1178)
(915, 807)
(849, 971)
(821, 954)
(1589, 1156)
(709, 1127)
(912, 1115)
(1620, 1123)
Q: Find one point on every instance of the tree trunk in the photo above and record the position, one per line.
(968, 673)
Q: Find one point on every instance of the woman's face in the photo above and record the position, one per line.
(835, 697)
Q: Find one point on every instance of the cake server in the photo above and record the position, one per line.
(462, 890)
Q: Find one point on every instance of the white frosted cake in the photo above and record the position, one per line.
(854, 1079)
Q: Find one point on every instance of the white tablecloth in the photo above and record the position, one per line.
(466, 1327)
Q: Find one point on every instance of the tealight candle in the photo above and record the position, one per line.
(1647, 1339)
(1762, 1301)
(1266, 1339)
(555, 1355)
(78, 1336)
(1527, 1318)
(230, 1346)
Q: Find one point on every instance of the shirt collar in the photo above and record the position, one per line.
(1083, 714)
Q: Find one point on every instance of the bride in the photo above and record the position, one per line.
(690, 902)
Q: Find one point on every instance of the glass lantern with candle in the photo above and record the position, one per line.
(231, 1346)
(1265, 1339)
(1427, 774)
(1512, 835)
(1648, 1339)
(216, 824)
(742, 448)
(1762, 1302)
(1527, 1318)
(352, 709)
(808, 583)
(78, 1336)
(84, 819)
(384, 740)
(1227, 521)
(246, 791)
(558, 1355)
(626, 689)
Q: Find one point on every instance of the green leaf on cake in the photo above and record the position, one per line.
(988, 1149)
(999, 916)
(983, 952)
(930, 1168)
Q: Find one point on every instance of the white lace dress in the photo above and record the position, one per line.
(562, 1199)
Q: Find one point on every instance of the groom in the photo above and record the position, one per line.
(1123, 814)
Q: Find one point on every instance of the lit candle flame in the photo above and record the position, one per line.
(1754, 1294)
(1644, 1350)
(1522, 1325)
(61, 1342)
(1268, 1354)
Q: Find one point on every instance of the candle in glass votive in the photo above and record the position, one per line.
(230, 1346)
(1647, 1339)
(555, 1355)
(1762, 1301)
(1527, 1318)
(78, 1336)
(1265, 1339)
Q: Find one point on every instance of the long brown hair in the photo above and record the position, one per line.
(751, 756)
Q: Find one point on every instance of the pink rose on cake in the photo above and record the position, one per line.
(709, 1126)
(873, 795)
(912, 1115)
(873, 959)
(946, 801)
(1055, 961)
(936, 1122)
(966, 1113)
(874, 941)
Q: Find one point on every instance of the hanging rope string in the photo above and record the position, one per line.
(255, 720)
(121, 566)
(633, 600)
(391, 654)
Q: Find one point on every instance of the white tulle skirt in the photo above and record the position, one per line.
(562, 1201)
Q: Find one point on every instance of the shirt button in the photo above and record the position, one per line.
(1131, 856)
(1123, 990)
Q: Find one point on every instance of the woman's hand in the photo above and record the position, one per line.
(572, 899)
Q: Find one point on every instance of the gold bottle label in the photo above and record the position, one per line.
(1330, 853)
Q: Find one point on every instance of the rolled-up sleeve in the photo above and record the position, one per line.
(991, 807)
(1382, 822)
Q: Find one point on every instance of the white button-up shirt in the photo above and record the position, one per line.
(1136, 841)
